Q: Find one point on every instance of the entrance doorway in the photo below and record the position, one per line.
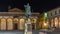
(15, 26)
(55, 22)
(33, 26)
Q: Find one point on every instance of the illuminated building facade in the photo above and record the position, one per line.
(54, 17)
(43, 21)
(52, 20)
(14, 19)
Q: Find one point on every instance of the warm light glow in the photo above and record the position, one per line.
(29, 21)
(22, 20)
(45, 24)
(3, 23)
(34, 20)
(52, 22)
(9, 24)
(59, 22)
(21, 26)
(45, 14)
(56, 22)
(15, 20)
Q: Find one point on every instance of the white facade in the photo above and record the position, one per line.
(54, 17)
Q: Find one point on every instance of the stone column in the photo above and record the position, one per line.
(49, 22)
(53, 22)
(58, 22)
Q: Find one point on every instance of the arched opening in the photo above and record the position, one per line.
(59, 22)
(56, 22)
(52, 23)
(15, 26)
(21, 26)
(3, 23)
(15, 23)
(9, 23)
(34, 20)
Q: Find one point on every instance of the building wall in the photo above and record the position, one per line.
(54, 12)
(8, 22)
(54, 17)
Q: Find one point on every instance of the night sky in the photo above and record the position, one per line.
(36, 5)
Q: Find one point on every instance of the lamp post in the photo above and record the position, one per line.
(28, 15)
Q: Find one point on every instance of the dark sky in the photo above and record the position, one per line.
(36, 5)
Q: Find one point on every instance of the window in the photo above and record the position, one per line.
(55, 12)
(59, 11)
(51, 14)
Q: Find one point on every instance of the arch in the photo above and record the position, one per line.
(34, 20)
(15, 23)
(9, 24)
(56, 21)
(15, 20)
(59, 22)
(3, 23)
(21, 21)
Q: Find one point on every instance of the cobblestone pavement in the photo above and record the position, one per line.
(11, 32)
(57, 31)
(47, 32)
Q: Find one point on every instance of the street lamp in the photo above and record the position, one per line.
(45, 15)
(45, 24)
(45, 19)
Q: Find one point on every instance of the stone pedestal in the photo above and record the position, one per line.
(29, 32)
(29, 28)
